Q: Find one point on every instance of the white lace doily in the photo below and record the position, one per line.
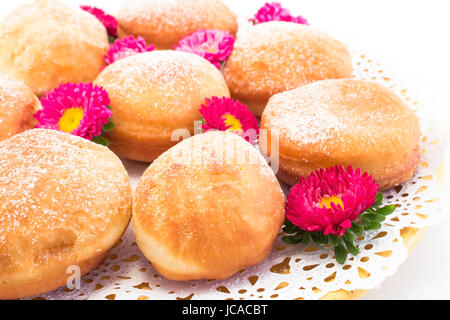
(290, 272)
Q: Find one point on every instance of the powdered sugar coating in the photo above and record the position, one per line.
(305, 117)
(215, 148)
(170, 74)
(154, 93)
(207, 208)
(276, 56)
(176, 76)
(46, 43)
(344, 122)
(205, 154)
(17, 106)
(165, 22)
(193, 159)
(63, 200)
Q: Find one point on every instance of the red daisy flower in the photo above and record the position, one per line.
(213, 45)
(329, 200)
(275, 12)
(122, 48)
(107, 20)
(80, 109)
(225, 114)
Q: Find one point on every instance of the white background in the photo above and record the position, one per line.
(412, 38)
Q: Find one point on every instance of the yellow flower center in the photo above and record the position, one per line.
(327, 201)
(71, 119)
(211, 50)
(233, 122)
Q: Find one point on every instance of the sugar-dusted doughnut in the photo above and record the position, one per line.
(164, 23)
(276, 56)
(154, 93)
(207, 208)
(17, 107)
(343, 122)
(64, 202)
(46, 43)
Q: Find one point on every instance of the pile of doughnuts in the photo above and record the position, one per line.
(207, 206)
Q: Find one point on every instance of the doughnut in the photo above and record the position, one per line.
(342, 122)
(164, 23)
(17, 107)
(64, 202)
(277, 56)
(154, 93)
(46, 43)
(207, 208)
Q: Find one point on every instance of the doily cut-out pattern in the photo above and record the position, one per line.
(291, 272)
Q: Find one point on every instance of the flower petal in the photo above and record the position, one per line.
(213, 45)
(357, 192)
(92, 100)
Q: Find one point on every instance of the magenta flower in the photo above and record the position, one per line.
(126, 47)
(275, 12)
(213, 45)
(107, 20)
(329, 200)
(225, 114)
(80, 109)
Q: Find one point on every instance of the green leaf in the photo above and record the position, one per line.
(111, 39)
(340, 254)
(349, 236)
(333, 240)
(351, 246)
(306, 238)
(368, 216)
(387, 210)
(290, 240)
(357, 229)
(323, 238)
(299, 235)
(365, 222)
(379, 199)
(316, 238)
(375, 217)
(100, 140)
(109, 126)
(373, 226)
(289, 227)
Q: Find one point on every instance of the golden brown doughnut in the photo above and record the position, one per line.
(207, 208)
(344, 121)
(64, 201)
(46, 43)
(276, 56)
(164, 23)
(17, 107)
(154, 93)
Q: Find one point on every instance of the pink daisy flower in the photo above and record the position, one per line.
(122, 48)
(225, 114)
(213, 45)
(275, 12)
(107, 20)
(329, 200)
(80, 109)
